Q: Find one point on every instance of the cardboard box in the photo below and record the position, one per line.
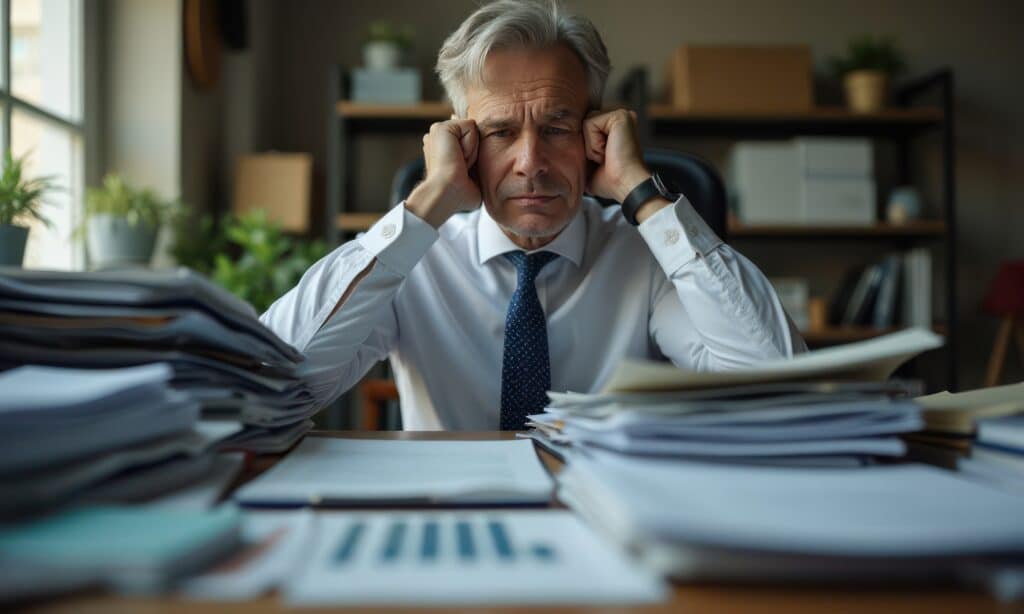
(742, 79)
(278, 183)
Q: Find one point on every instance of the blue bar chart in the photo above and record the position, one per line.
(423, 541)
(455, 557)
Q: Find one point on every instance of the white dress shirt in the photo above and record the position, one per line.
(435, 303)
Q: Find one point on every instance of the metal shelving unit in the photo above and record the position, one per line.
(902, 125)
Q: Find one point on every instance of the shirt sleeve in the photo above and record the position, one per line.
(713, 309)
(339, 350)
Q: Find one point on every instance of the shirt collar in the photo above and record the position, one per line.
(492, 241)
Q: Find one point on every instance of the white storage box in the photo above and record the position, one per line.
(835, 157)
(794, 293)
(764, 182)
(837, 200)
(399, 86)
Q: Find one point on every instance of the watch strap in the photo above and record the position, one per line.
(648, 189)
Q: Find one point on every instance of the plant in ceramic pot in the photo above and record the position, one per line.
(867, 67)
(122, 223)
(21, 199)
(385, 45)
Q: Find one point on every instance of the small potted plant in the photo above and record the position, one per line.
(20, 201)
(866, 69)
(385, 45)
(249, 255)
(122, 222)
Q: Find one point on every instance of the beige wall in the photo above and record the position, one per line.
(979, 40)
(142, 96)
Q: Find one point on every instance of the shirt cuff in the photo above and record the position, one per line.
(677, 234)
(399, 239)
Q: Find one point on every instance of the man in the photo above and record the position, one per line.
(482, 312)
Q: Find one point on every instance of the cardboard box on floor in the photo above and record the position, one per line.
(278, 183)
(741, 79)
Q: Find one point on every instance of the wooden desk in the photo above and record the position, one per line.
(686, 598)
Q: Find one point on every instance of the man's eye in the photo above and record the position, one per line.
(500, 133)
(552, 130)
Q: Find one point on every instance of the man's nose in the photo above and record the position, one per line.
(531, 159)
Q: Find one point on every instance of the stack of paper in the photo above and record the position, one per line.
(219, 351)
(776, 413)
(727, 522)
(129, 549)
(103, 434)
(986, 427)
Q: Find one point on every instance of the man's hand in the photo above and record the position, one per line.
(611, 141)
(450, 150)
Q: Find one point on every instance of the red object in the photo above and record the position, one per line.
(1006, 294)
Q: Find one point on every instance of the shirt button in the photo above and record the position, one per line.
(388, 231)
(671, 236)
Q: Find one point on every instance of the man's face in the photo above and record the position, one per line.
(531, 162)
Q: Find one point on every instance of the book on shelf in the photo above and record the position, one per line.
(884, 313)
(894, 291)
(917, 287)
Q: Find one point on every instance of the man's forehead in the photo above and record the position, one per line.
(514, 112)
(547, 81)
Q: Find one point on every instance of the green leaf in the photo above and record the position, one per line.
(867, 52)
(22, 198)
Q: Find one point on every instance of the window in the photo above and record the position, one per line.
(41, 97)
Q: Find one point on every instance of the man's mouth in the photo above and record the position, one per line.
(532, 199)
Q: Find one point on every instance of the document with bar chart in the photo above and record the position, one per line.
(438, 558)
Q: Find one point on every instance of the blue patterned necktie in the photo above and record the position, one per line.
(525, 368)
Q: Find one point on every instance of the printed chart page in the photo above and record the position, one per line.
(439, 558)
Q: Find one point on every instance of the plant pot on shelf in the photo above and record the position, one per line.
(113, 241)
(866, 90)
(381, 55)
(12, 244)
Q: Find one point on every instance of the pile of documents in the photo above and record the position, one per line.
(782, 413)
(718, 521)
(743, 475)
(94, 435)
(220, 353)
(983, 430)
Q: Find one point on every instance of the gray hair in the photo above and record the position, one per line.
(518, 23)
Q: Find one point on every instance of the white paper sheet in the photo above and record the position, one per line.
(1006, 433)
(33, 388)
(323, 470)
(874, 359)
(514, 557)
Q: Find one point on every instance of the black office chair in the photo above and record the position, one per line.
(682, 172)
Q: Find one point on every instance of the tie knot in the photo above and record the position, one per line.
(529, 265)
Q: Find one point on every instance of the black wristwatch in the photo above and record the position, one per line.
(648, 189)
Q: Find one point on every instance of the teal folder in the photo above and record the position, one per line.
(133, 549)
